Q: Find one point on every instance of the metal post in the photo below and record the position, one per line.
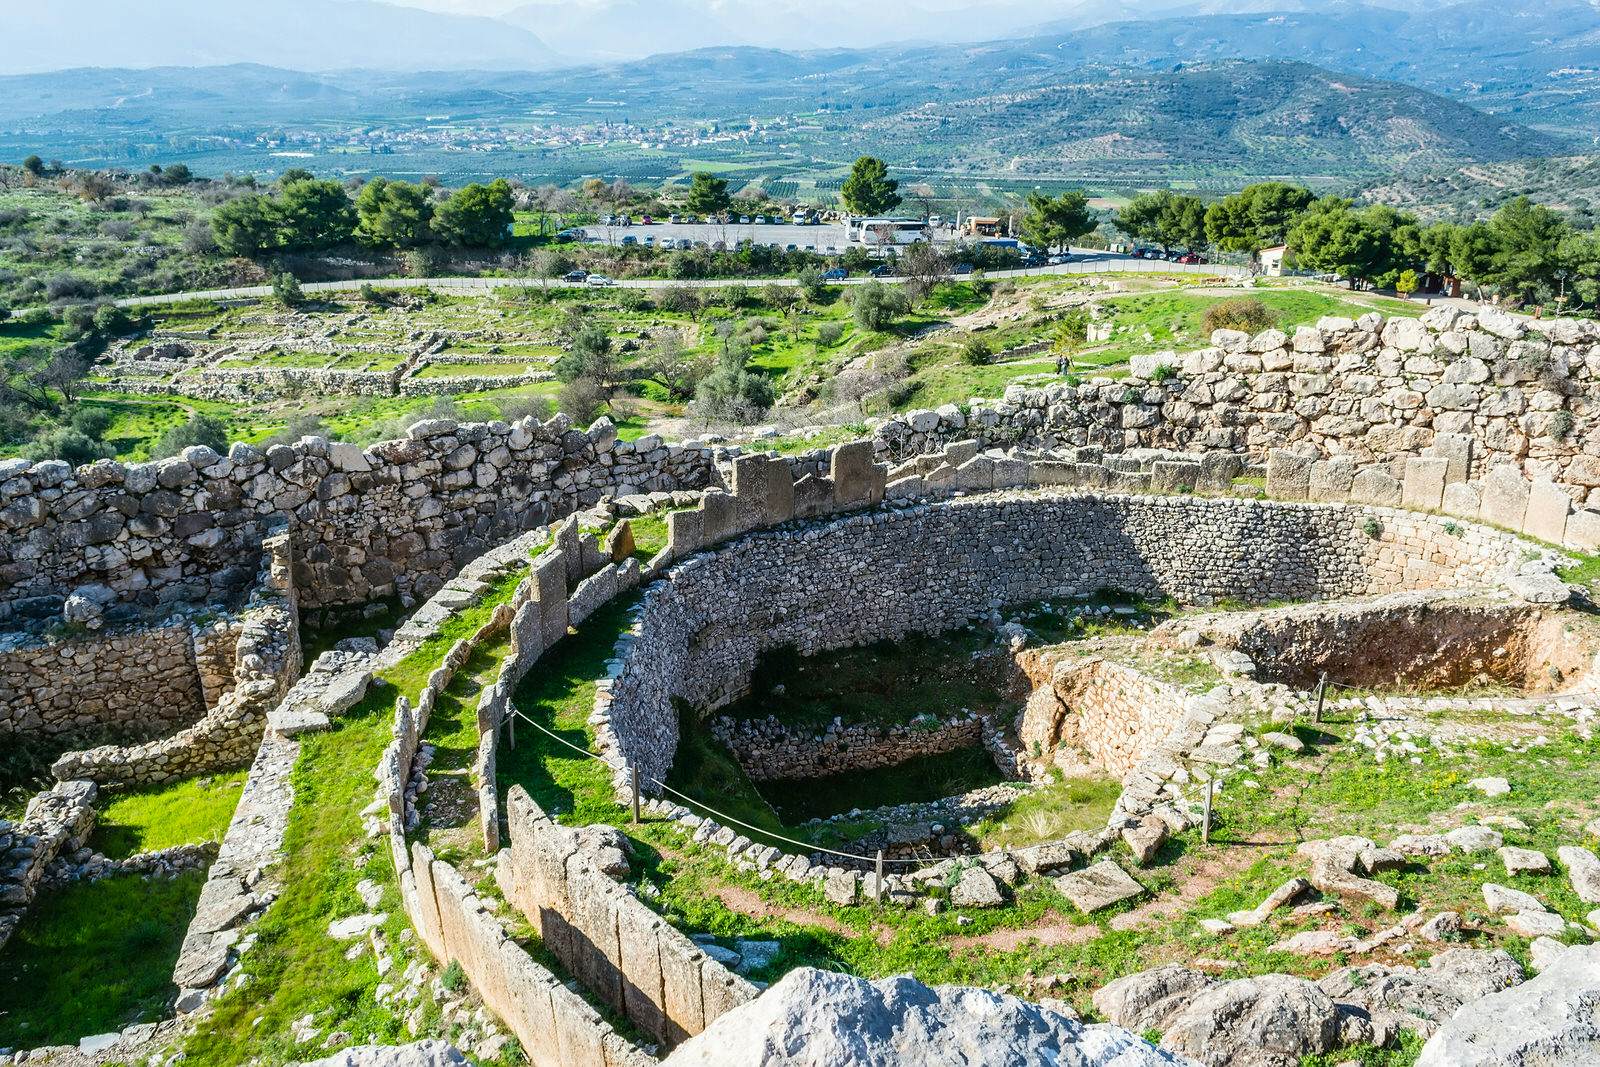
(511, 725)
(635, 770)
(877, 888)
(1322, 689)
(1205, 822)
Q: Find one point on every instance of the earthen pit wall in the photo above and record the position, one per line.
(883, 574)
(1113, 714)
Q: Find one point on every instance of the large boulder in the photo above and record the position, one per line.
(1421, 999)
(1149, 999)
(1275, 1020)
(1552, 1020)
(814, 1017)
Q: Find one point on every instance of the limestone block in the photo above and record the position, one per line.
(720, 518)
(1218, 470)
(685, 532)
(1009, 473)
(1505, 498)
(975, 475)
(680, 970)
(1456, 450)
(1331, 479)
(1054, 472)
(1093, 474)
(764, 490)
(1288, 475)
(813, 496)
(550, 591)
(1583, 531)
(1130, 481)
(643, 993)
(958, 452)
(1546, 517)
(1423, 488)
(1462, 500)
(851, 468)
(1174, 477)
(1373, 486)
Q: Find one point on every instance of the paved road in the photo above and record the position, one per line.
(1087, 262)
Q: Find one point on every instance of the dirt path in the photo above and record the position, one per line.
(747, 902)
(1053, 928)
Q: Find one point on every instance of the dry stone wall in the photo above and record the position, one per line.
(1479, 392)
(59, 819)
(398, 518)
(769, 749)
(1107, 711)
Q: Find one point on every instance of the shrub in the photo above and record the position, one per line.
(976, 351)
(286, 290)
(582, 399)
(453, 978)
(1372, 528)
(1239, 313)
(74, 446)
(829, 333)
(513, 408)
(1163, 372)
(1561, 424)
(198, 430)
(875, 305)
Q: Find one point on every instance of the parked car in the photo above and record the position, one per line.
(882, 270)
(961, 269)
(648, 221)
(600, 280)
(790, 248)
(650, 241)
(1058, 259)
(761, 220)
(837, 274)
(630, 240)
(744, 220)
(576, 277)
(675, 219)
(1190, 259)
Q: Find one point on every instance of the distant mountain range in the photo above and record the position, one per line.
(298, 34)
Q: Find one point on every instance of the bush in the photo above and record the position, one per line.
(875, 305)
(1239, 313)
(299, 426)
(513, 408)
(976, 351)
(198, 430)
(92, 422)
(828, 334)
(582, 400)
(286, 290)
(74, 446)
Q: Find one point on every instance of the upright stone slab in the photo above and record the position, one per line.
(813, 497)
(778, 503)
(550, 591)
(1505, 498)
(681, 966)
(1288, 475)
(1424, 485)
(1054, 472)
(1462, 500)
(1094, 475)
(1373, 486)
(851, 469)
(975, 475)
(958, 452)
(685, 532)
(719, 518)
(1010, 473)
(1583, 530)
(638, 932)
(1130, 481)
(569, 542)
(1218, 470)
(1546, 518)
(1331, 479)
(1174, 477)
(1456, 450)
(751, 475)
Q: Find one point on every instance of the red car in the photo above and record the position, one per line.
(1191, 259)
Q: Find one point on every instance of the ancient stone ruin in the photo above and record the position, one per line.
(1380, 503)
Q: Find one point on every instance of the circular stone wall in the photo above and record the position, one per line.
(885, 573)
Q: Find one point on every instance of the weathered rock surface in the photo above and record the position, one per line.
(1271, 1021)
(430, 1053)
(1552, 1020)
(1098, 887)
(814, 1017)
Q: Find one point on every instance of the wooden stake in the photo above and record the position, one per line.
(877, 888)
(511, 724)
(1322, 689)
(1205, 823)
(635, 770)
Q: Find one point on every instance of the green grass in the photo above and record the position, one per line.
(1049, 813)
(183, 813)
(474, 370)
(93, 957)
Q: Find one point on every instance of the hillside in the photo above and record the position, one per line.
(1252, 117)
(1567, 183)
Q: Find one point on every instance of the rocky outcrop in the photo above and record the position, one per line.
(431, 1053)
(1552, 1020)
(818, 1017)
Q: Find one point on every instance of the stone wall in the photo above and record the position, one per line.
(131, 682)
(768, 749)
(929, 567)
(397, 518)
(57, 820)
(1481, 391)
(266, 662)
(622, 951)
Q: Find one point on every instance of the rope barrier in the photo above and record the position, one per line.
(730, 820)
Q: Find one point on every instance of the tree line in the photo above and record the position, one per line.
(1525, 253)
(303, 214)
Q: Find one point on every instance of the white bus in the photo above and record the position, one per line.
(878, 232)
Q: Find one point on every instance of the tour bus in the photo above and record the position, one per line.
(889, 231)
